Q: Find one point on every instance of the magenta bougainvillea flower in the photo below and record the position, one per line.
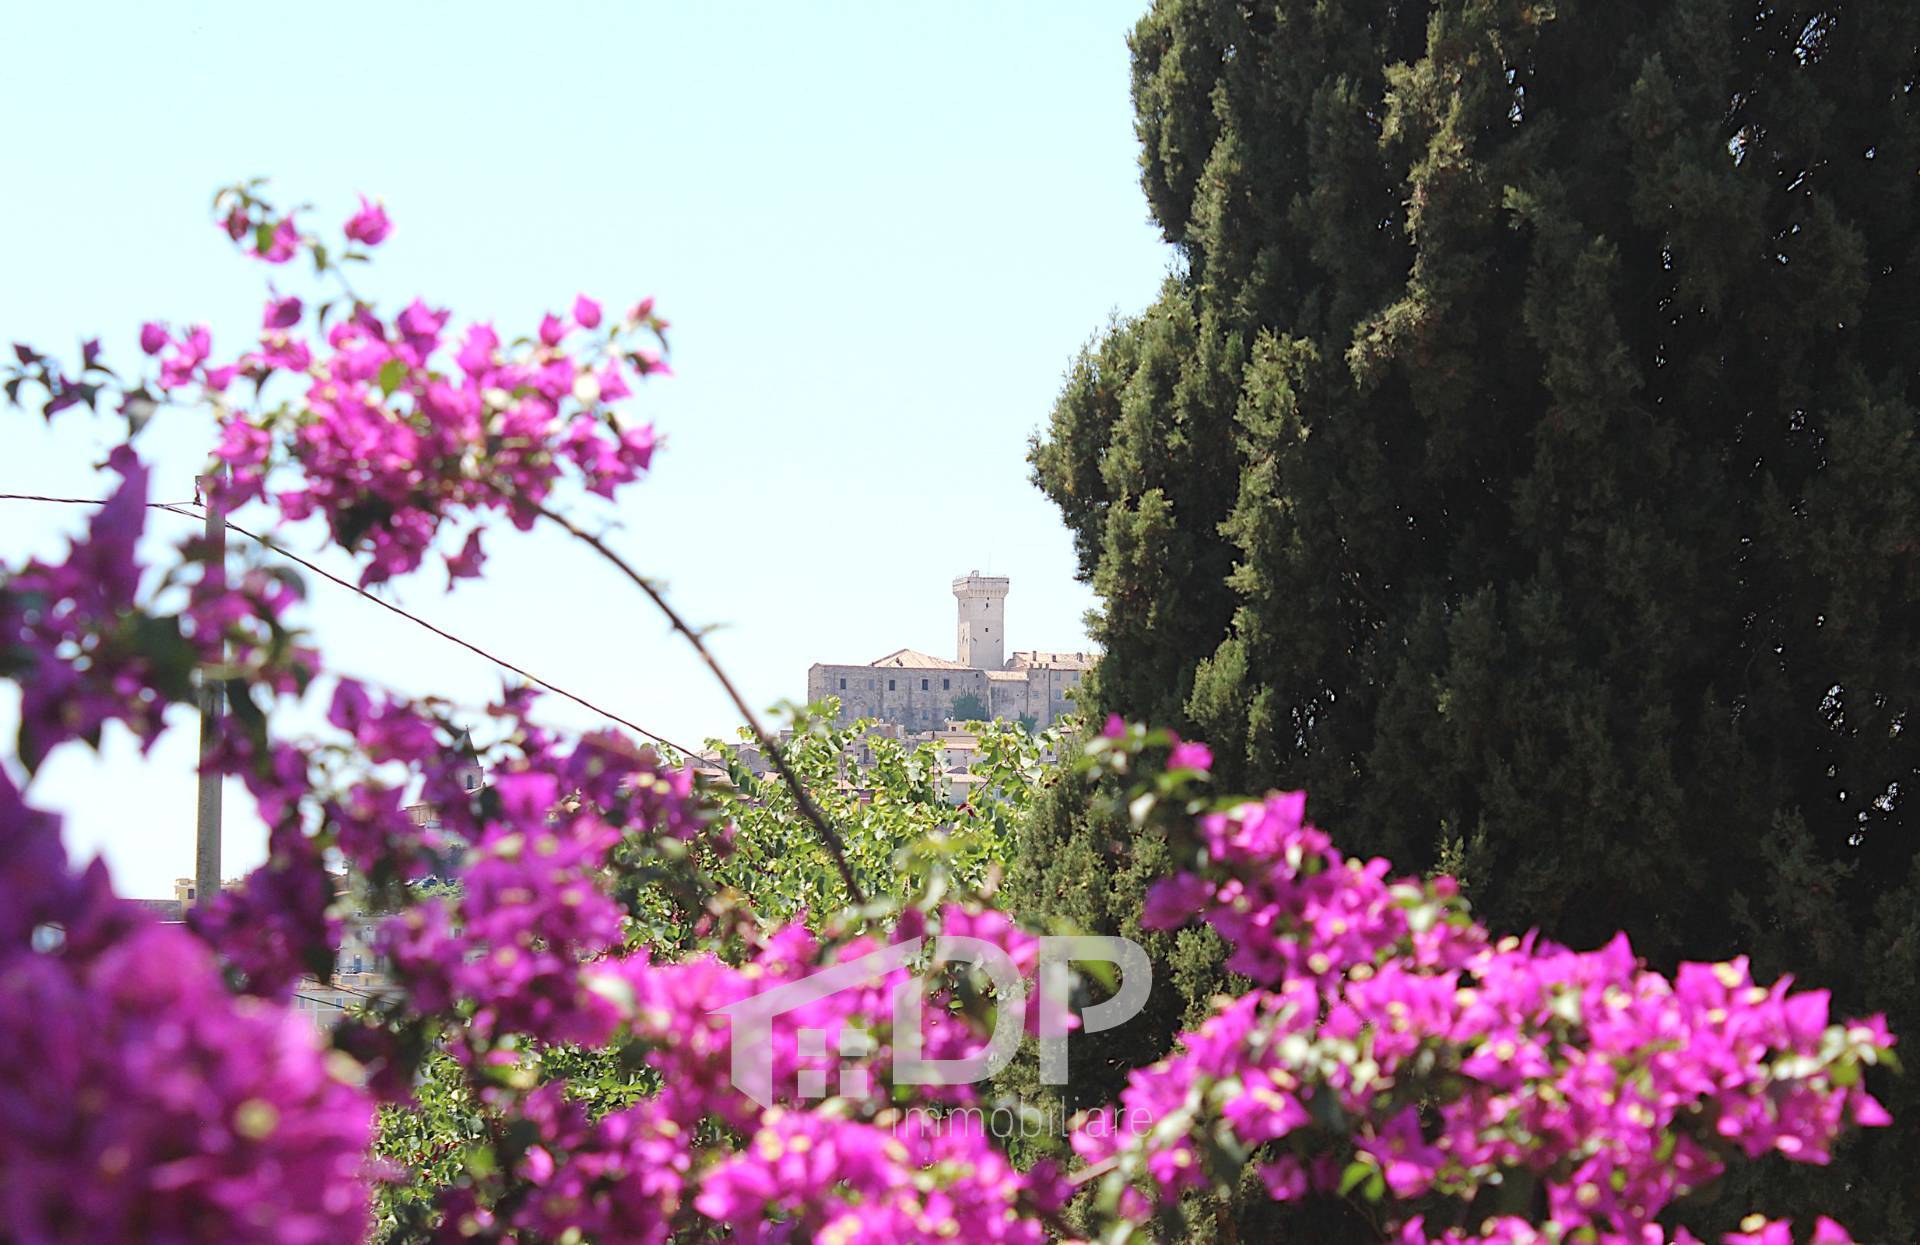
(370, 224)
(159, 1106)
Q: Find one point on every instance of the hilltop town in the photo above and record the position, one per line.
(919, 692)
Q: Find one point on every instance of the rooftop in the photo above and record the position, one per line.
(913, 659)
(1036, 659)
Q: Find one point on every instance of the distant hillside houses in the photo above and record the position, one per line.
(919, 692)
(956, 749)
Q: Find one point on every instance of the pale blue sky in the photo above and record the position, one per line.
(881, 231)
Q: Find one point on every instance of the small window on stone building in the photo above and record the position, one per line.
(923, 685)
(889, 684)
(946, 685)
(843, 685)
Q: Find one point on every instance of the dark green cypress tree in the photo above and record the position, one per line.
(1523, 461)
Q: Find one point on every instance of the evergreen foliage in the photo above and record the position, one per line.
(1521, 458)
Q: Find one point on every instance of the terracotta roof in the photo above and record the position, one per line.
(1007, 676)
(910, 659)
(1036, 658)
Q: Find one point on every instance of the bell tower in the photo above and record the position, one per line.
(982, 620)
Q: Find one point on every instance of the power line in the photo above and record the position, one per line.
(338, 989)
(192, 510)
(322, 1002)
(345, 989)
(85, 501)
(502, 662)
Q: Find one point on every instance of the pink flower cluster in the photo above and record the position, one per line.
(530, 913)
(848, 1169)
(403, 427)
(85, 653)
(677, 1006)
(1511, 1230)
(1395, 1045)
(146, 1102)
(280, 922)
(62, 637)
(638, 1175)
(622, 1177)
(814, 1176)
(534, 904)
(837, 1165)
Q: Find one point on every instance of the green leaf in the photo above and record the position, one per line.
(138, 407)
(392, 372)
(240, 702)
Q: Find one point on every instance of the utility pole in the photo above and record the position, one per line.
(206, 849)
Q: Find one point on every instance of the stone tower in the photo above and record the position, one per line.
(472, 774)
(983, 620)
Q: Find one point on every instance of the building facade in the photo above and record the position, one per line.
(919, 691)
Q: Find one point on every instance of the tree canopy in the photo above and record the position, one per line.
(1521, 459)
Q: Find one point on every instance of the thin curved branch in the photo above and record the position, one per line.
(829, 837)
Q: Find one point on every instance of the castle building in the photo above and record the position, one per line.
(919, 691)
